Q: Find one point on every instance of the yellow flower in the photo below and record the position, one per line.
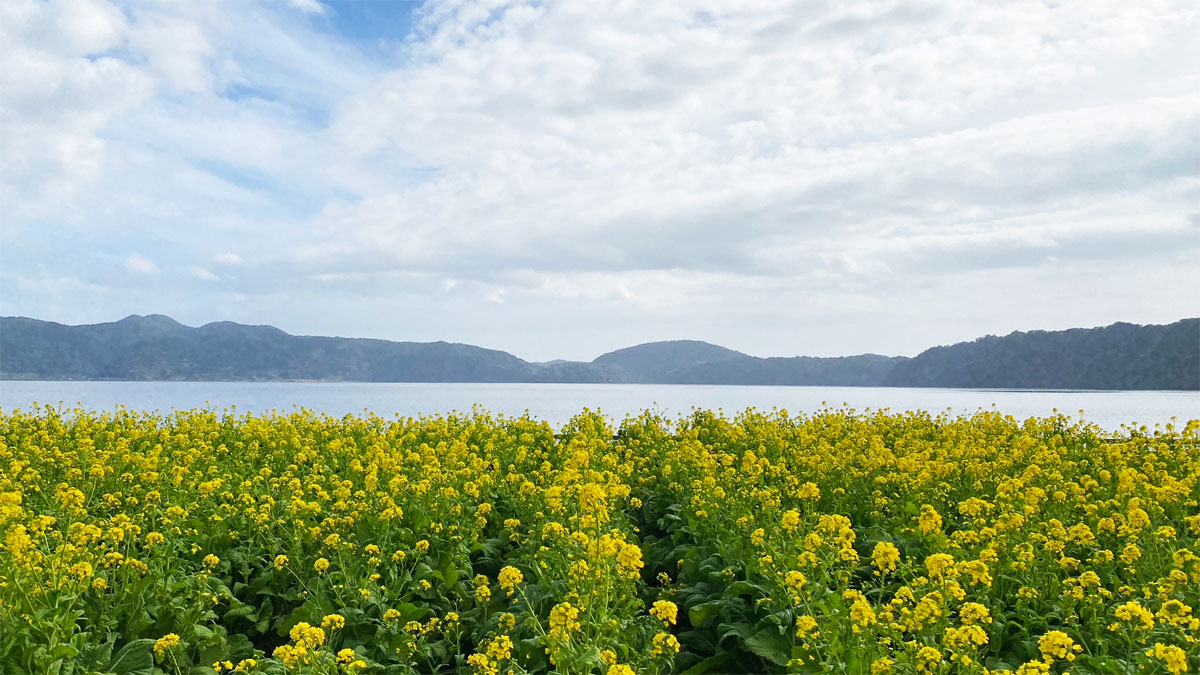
(166, 643)
(1131, 554)
(321, 565)
(972, 613)
(795, 581)
(620, 669)
(564, 619)
(509, 577)
(292, 656)
(665, 611)
(885, 557)
(809, 491)
(938, 564)
(861, 613)
(629, 560)
(281, 562)
(966, 637)
(1057, 644)
(308, 636)
(664, 643)
(500, 648)
(1132, 613)
(1174, 658)
(806, 627)
(482, 664)
(929, 521)
(82, 571)
(977, 571)
(791, 521)
(757, 536)
(927, 659)
(1174, 612)
(333, 622)
(211, 561)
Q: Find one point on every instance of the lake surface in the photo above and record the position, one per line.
(557, 403)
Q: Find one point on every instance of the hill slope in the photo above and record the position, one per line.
(158, 348)
(655, 362)
(1120, 356)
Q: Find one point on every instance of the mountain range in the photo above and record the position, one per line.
(156, 347)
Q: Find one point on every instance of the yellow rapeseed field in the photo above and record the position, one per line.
(838, 542)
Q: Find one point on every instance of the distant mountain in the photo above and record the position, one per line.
(663, 362)
(1121, 356)
(159, 348)
(693, 362)
(865, 370)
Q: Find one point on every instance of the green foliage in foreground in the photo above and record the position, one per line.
(840, 542)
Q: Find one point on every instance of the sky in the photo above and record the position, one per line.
(560, 179)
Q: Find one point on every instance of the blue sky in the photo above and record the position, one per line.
(559, 179)
(380, 25)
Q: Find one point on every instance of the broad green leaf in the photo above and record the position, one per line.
(770, 645)
(701, 614)
(135, 658)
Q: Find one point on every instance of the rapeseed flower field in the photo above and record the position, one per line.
(207, 542)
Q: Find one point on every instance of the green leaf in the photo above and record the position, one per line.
(747, 588)
(135, 658)
(741, 629)
(242, 610)
(239, 647)
(94, 655)
(770, 645)
(702, 613)
(62, 651)
(717, 663)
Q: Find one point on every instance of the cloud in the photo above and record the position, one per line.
(307, 6)
(141, 265)
(745, 173)
(203, 274)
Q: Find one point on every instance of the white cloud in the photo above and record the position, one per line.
(177, 50)
(204, 274)
(139, 264)
(705, 166)
(307, 6)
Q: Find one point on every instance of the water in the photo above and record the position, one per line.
(557, 403)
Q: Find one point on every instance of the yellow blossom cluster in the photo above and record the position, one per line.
(878, 542)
